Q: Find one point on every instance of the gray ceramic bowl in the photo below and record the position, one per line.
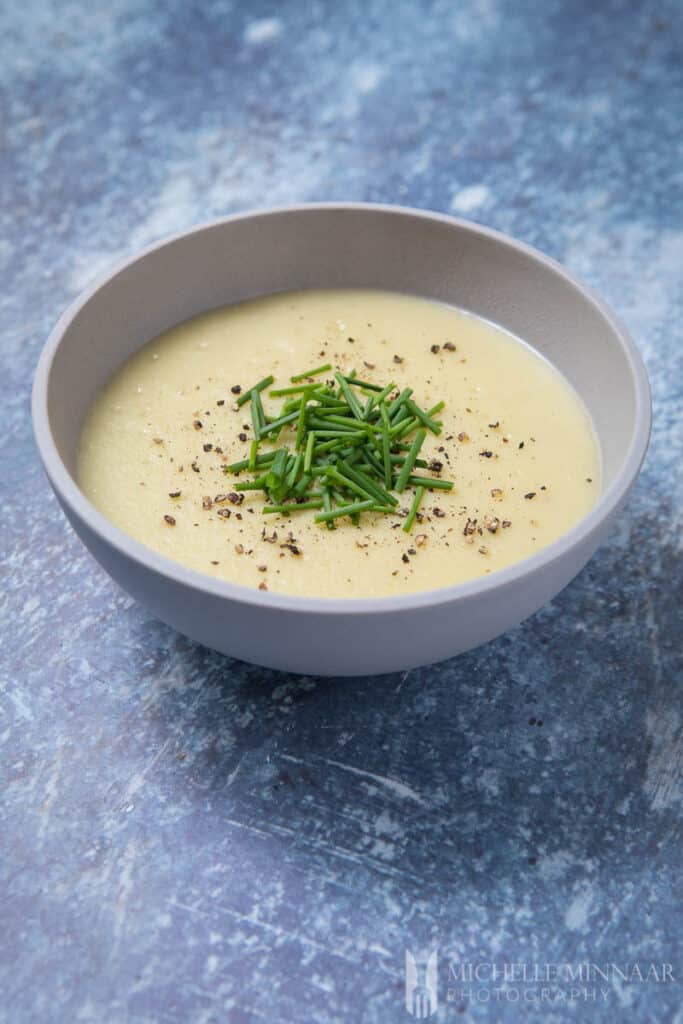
(341, 245)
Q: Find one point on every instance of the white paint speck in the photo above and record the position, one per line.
(578, 910)
(89, 265)
(476, 20)
(262, 31)
(366, 77)
(175, 208)
(385, 825)
(471, 198)
(599, 105)
(664, 768)
(399, 788)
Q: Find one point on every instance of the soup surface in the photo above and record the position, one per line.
(516, 441)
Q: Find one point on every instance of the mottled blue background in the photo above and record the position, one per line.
(186, 838)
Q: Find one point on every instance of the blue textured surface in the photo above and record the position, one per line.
(184, 838)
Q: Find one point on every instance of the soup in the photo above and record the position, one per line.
(511, 440)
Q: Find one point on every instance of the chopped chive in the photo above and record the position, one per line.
(348, 483)
(384, 393)
(300, 488)
(376, 464)
(402, 479)
(336, 421)
(431, 483)
(353, 424)
(344, 510)
(343, 435)
(353, 456)
(371, 487)
(253, 453)
(435, 408)
(294, 471)
(298, 390)
(423, 417)
(386, 445)
(293, 506)
(331, 409)
(337, 442)
(247, 395)
(308, 457)
(398, 460)
(328, 398)
(301, 426)
(252, 485)
(349, 396)
(403, 427)
(256, 420)
(292, 403)
(398, 403)
(257, 414)
(279, 423)
(327, 507)
(311, 373)
(279, 462)
(362, 383)
(261, 460)
(407, 526)
(401, 416)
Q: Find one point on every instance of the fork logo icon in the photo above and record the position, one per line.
(422, 997)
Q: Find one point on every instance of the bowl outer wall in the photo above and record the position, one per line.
(343, 636)
(350, 643)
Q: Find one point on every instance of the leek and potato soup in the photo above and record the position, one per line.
(340, 443)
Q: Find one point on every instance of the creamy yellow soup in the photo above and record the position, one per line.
(516, 441)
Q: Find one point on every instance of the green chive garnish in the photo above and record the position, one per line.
(344, 510)
(261, 460)
(431, 483)
(423, 417)
(308, 458)
(350, 448)
(349, 396)
(311, 373)
(398, 404)
(301, 426)
(279, 423)
(247, 395)
(362, 383)
(348, 484)
(407, 526)
(252, 485)
(410, 461)
(293, 506)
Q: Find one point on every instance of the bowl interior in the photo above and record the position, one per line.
(346, 247)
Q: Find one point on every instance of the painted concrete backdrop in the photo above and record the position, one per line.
(186, 838)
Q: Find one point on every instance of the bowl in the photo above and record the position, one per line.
(343, 245)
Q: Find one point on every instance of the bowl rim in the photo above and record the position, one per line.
(69, 492)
